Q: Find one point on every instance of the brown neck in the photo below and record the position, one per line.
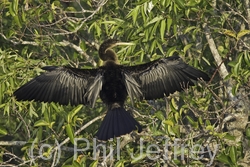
(108, 55)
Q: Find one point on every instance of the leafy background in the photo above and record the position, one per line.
(210, 35)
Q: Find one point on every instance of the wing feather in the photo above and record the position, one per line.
(94, 90)
(164, 76)
(132, 87)
(64, 85)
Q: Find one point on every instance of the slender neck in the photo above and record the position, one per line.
(108, 55)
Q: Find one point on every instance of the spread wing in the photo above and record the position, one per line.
(64, 85)
(161, 77)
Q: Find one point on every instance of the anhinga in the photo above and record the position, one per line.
(113, 83)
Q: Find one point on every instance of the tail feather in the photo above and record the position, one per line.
(117, 122)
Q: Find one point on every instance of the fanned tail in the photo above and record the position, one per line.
(117, 122)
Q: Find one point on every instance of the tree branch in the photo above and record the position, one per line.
(247, 3)
(221, 66)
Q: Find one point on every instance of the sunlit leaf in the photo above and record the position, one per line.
(94, 163)
(156, 19)
(159, 115)
(162, 29)
(180, 3)
(120, 163)
(3, 131)
(242, 33)
(187, 47)
(41, 123)
(189, 29)
(169, 23)
(72, 113)
(70, 132)
(171, 51)
(168, 122)
(230, 33)
(173, 105)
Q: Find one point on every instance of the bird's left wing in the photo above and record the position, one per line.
(161, 77)
(65, 85)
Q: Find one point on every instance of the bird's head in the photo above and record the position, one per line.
(105, 51)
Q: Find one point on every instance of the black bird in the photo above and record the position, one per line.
(113, 83)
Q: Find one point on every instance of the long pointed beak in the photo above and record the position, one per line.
(122, 43)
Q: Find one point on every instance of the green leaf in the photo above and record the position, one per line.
(120, 163)
(192, 3)
(235, 88)
(223, 158)
(187, 47)
(206, 60)
(173, 105)
(72, 113)
(242, 33)
(139, 158)
(14, 7)
(238, 65)
(152, 47)
(180, 3)
(153, 32)
(16, 19)
(169, 23)
(171, 130)
(41, 123)
(208, 123)
(230, 33)
(200, 120)
(171, 51)
(176, 130)
(23, 16)
(209, 127)
(2, 105)
(248, 132)
(247, 58)
(134, 14)
(51, 17)
(157, 18)
(55, 107)
(176, 116)
(229, 137)
(159, 115)
(94, 163)
(168, 122)
(70, 133)
(192, 122)
(109, 22)
(98, 30)
(3, 131)
(189, 29)
(233, 154)
(162, 30)
(32, 111)
(7, 109)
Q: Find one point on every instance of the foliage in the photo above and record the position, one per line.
(38, 33)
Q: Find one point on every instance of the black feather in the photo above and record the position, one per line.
(117, 122)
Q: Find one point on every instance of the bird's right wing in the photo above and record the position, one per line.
(64, 85)
(161, 77)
